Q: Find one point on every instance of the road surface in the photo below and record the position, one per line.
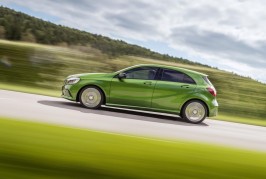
(62, 112)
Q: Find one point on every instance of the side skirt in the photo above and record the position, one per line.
(142, 109)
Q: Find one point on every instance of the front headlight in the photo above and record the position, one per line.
(71, 81)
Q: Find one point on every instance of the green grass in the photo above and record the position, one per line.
(33, 150)
(32, 90)
(243, 120)
(41, 69)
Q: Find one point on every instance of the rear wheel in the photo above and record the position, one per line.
(194, 111)
(91, 97)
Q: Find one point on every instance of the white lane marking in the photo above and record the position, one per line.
(7, 99)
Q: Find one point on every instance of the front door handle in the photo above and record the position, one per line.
(147, 83)
(185, 86)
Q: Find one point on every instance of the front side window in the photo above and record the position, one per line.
(145, 73)
(175, 76)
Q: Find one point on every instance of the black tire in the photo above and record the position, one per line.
(91, 97)
(194, 111)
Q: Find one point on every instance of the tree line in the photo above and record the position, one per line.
(22, 27)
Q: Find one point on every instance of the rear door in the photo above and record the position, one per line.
(172, 88)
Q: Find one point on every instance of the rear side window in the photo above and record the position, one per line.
(176, 76)
(207, 80)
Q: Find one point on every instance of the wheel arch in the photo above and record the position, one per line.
(194, 99)
(91, 85)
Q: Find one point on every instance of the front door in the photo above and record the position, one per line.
(135, 89)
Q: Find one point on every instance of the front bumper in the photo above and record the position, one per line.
(68, 93)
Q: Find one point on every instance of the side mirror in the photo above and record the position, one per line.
(122, 75)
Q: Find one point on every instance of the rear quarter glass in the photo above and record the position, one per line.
(205, 78)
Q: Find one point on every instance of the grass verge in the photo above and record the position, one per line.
(242, 120)
(26, 89)
(33, 150)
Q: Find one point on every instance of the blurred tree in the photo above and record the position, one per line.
(28, 37)
(2, 32)
(13, 27)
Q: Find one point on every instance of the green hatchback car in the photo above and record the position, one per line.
(159, 88)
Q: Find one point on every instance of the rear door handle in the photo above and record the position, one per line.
(147, 83)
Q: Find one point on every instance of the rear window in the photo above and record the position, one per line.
(175, 76)
(207, 80)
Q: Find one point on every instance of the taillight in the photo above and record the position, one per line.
(212, 91)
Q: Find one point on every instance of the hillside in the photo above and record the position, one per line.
(36, 68)
(22, 27)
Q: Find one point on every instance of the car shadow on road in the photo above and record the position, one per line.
(136, 115)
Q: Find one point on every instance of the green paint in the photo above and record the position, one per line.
(154, 94)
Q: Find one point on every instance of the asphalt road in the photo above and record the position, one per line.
(62, 112)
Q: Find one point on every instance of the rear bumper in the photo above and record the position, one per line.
(213, 108)
(213, 112)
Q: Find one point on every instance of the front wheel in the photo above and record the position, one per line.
(194, 111)
(91, 97)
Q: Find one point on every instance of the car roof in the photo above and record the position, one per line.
(173, 68)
